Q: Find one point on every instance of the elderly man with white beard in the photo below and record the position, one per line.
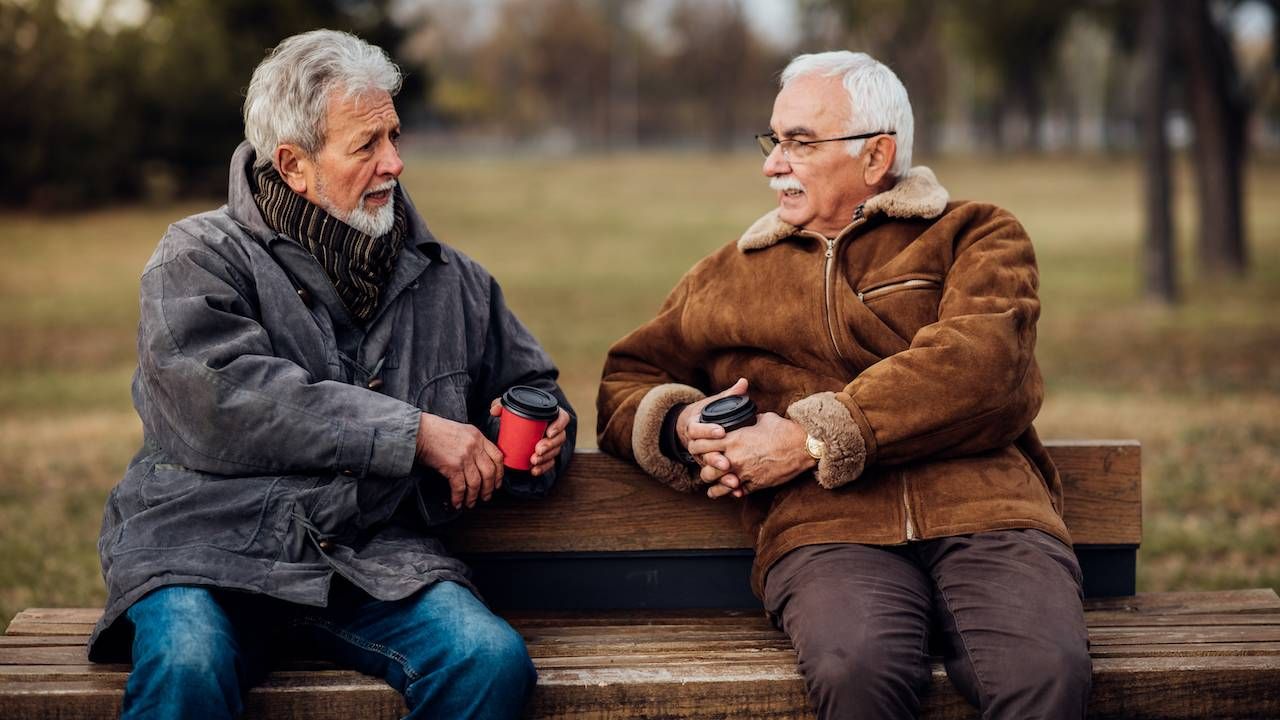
(318, 382)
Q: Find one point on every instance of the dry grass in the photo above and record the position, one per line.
(586, 249)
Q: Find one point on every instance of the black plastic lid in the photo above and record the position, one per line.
(730, 412)
(530, 402)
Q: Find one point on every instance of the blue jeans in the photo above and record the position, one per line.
(196, 650)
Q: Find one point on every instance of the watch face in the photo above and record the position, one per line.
(814, 446)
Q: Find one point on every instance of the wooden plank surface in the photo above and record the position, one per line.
(614, 506)
(1167, 655)
(1233, 606)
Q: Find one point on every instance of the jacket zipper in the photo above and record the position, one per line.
(866, 294)
(826, 293)
(906, 504)
(828, 284)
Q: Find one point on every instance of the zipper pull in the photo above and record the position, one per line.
(831, 245)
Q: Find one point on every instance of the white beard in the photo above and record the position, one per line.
(374, 223)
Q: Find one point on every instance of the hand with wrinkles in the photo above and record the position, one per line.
(767, 454)
(690, 428)
(463, 455)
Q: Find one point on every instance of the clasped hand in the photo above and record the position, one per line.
(759, 456)
(472, 464)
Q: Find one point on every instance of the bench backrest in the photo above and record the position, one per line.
(610, 536)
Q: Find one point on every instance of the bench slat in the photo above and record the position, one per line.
(1123, 687)
(615, 507)
(1154, 608)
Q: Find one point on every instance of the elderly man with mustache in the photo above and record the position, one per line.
(893, 480)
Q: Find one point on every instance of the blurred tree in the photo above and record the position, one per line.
(93, 115)
(58, 90)
(550, 64)
(715, 61)
(1017, 41)
(1159, 277)
(1218, 106)
(905, 35)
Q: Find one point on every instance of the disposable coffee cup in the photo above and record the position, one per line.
(730, 413)
(526, 412)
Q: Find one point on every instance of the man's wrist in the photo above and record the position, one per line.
(669, 441)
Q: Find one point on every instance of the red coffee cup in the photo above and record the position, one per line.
(526, 412)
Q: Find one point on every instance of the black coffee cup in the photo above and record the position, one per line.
(730, 413)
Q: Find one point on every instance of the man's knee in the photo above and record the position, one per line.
(184, 654)
(485, 672)
(1048, 681)
(869, 679)
(184, 630)
(496, 651)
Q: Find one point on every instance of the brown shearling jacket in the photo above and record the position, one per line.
(906, 344)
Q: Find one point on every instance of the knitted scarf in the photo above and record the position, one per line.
(357, 265)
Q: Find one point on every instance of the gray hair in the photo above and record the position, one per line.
(877, 98)
(288, 96)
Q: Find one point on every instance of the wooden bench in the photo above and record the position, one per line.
(633, 600)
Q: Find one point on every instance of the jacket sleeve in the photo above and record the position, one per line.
(212, 392)
(513, 357)
(967, 383)
(646, 374)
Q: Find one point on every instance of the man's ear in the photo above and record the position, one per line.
(290, 163)
(880, 153)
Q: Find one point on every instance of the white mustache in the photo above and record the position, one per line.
(783, 183)
(388, 185)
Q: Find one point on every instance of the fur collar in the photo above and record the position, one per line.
(917, 195)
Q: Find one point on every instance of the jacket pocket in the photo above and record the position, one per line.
(187, 509)
(913, 281)
(167, 482)
(905, 303)
(446, 395)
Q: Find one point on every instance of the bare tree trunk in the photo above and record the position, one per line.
(622, 110)
(1218, 113)
(1159, 278)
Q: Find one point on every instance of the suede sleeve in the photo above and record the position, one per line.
(967, 383)
(647, 373)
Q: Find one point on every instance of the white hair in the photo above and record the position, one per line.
(288, 95)
(877, 99)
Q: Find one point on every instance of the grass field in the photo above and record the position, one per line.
(586, 249)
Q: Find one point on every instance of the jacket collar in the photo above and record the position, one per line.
(244, 209)
(917, 195)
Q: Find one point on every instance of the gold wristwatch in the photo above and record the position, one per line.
(814, 447)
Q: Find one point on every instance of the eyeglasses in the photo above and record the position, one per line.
(796, 151)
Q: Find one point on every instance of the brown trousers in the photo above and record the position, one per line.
(1005, 607)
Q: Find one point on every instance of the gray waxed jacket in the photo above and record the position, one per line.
(279, 433)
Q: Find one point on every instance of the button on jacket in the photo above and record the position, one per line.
(279, 432)
(906, 344)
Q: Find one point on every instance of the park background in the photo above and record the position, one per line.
(588, 152)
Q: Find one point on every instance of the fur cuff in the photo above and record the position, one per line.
(827, 419)
(647, 427)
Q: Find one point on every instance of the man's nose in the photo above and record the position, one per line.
(775, 163)
(390, 162)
